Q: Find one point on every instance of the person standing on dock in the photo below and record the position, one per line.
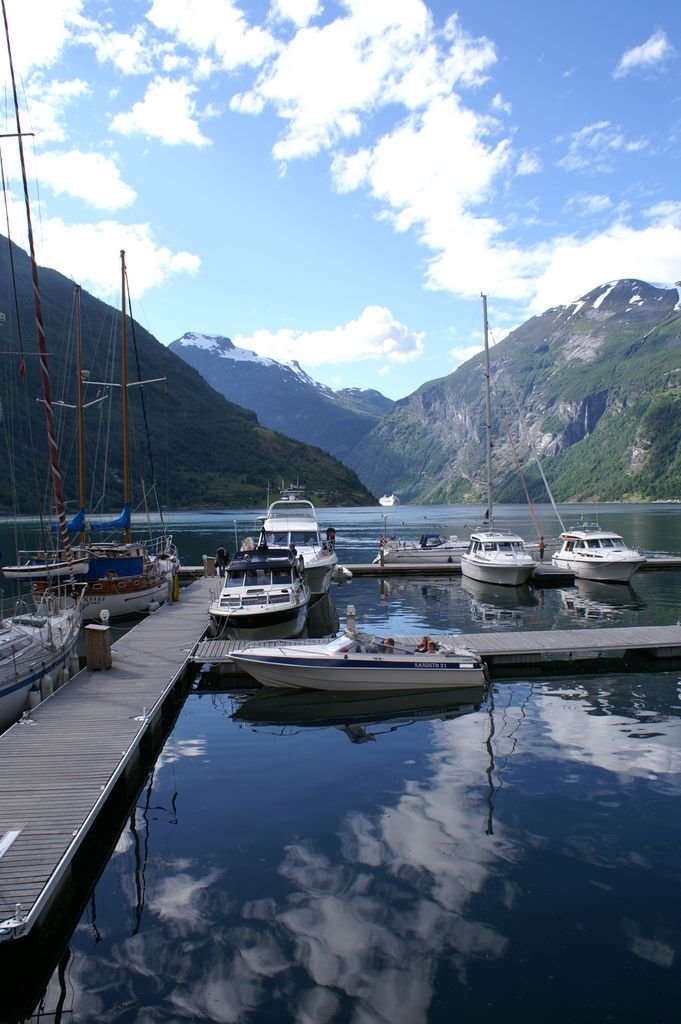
(221, 559)
(542, 549)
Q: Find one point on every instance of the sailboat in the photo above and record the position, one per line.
(124, 577)
(38, 642)
(494, 556)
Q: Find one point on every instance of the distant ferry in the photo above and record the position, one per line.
(389, 499)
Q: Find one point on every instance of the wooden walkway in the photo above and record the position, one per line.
(60, 767)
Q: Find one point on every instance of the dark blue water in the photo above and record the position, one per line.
(515, 859)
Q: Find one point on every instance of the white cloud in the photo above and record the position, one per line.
(592, 147)
(499, 103)
(300, 12)
(39, 31)
(213, 27)
(666, 212)
(587, 205)
(88, 253)
(330, 79)
(656, 52)
(429, 169)
(130, 53)
(375, 334)
(528, 163)
(167, 112)
(574, 266)
(48, 104)
(88, 176)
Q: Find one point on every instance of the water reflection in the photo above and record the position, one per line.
(498, 606)
(354, 713)
(607, 602)
(290, 877)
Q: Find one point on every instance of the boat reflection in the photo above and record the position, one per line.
(498, 605)
(591, 599)
(353, 713)
(322, 618)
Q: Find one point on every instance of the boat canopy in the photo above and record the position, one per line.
(122, 523)
(74, 525)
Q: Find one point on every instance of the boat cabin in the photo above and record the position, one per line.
(264, 567)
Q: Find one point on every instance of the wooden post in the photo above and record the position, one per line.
(97, 647)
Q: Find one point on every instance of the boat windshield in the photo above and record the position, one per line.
(257, 577)
(305, 538)
(282, 538)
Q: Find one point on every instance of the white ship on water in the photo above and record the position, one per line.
(388, 500)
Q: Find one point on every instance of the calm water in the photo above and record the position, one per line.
(515, 860)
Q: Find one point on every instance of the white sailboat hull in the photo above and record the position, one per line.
(31, 647)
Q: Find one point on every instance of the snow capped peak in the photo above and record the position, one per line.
(207, 342)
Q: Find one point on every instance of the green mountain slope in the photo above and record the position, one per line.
(204, 451)
(592, 389)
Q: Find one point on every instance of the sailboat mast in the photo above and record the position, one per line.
(124, 396)
(39, 322)
(488, 411)
(79, 409)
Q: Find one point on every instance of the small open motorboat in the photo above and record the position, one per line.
(431, 548)
(360, 661)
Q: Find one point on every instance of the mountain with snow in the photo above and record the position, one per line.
(592, 389)
(282, 395)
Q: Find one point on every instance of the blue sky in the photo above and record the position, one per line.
(337, 183)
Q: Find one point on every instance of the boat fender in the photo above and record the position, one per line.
(46, 685)
(33, 697)
(153, 607)
(74, 664)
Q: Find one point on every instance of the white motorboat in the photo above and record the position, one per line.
(498, 557)
(388, 500)
(431, 549)
(264, 596)
(494, 556)
(360, 661)
(292, 522)
(595, 554)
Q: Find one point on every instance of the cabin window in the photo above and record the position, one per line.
(277, 538)
(281, 576)
(306, 538)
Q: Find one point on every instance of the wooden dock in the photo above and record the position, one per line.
(513, 648)
(61, 765)
(545, 573)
